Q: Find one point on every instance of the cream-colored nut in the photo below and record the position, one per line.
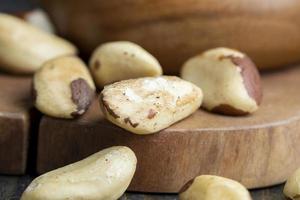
(24, 48)
(208, 187)
(116, 61)
(63, 87)
(102, 176)
(38, 18)
(229, 79)
(292, 186)
(148, 105)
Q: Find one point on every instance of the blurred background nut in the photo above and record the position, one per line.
(63, 87)
(292, 186)
(102, 176)
(207, 187)
(229, 79)
(24, 48)
(38, 18)
(148, 105)
(116, 61)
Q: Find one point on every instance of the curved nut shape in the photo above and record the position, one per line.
(229, 79)
(116, 61)
(63, 87)
(148, 105)
(207, 187)
(102, 176)
(24, 48)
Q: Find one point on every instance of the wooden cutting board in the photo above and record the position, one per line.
(258, 150)
(15, 114)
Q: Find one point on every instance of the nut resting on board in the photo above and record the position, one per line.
(121, 60)
(292, 186)
(208, 187)
(148, 105)
(229, 80)
(102, 176)
(24, 48)
(63, 87)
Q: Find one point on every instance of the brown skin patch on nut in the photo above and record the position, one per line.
(22, 14)
(222, 57)
(186, 186)
(228, 110)
(250, 76)
(107, 108)
(82, 96)
(296, 196)
(97, 65)
(127, 120)
(151, 114)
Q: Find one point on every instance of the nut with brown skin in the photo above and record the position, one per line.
(121, 60)
(64, 88)
(148, 105)
(102, 176)
(292, 186)
(24, 48)
(229, 79)
(208, 187)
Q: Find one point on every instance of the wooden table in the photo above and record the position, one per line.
(11, 188)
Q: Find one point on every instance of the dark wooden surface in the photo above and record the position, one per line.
(15, 114)
(11, 188)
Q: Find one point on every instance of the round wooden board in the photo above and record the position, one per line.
(258, 150)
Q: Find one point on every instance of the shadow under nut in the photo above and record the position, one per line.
(186, 186)
(228, 110)
(82, 96)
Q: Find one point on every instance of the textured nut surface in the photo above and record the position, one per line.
(207, 187)
(116, 61)
(148, 105)
(63, 87)
(229, 80)
(24, 48)
(102, 176)
(292, 186)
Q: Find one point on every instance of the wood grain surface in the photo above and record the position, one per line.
(258, 150)
(174, 30)
(11, 188)
(15, 106)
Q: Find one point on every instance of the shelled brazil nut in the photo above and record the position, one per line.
(229, 79)
(148, 105)
(103, 176)
(63, 87)
(208, 187)
(121, 60)
(292, 186)
(24, 48)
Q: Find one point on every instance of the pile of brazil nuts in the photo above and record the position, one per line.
(135, 95)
